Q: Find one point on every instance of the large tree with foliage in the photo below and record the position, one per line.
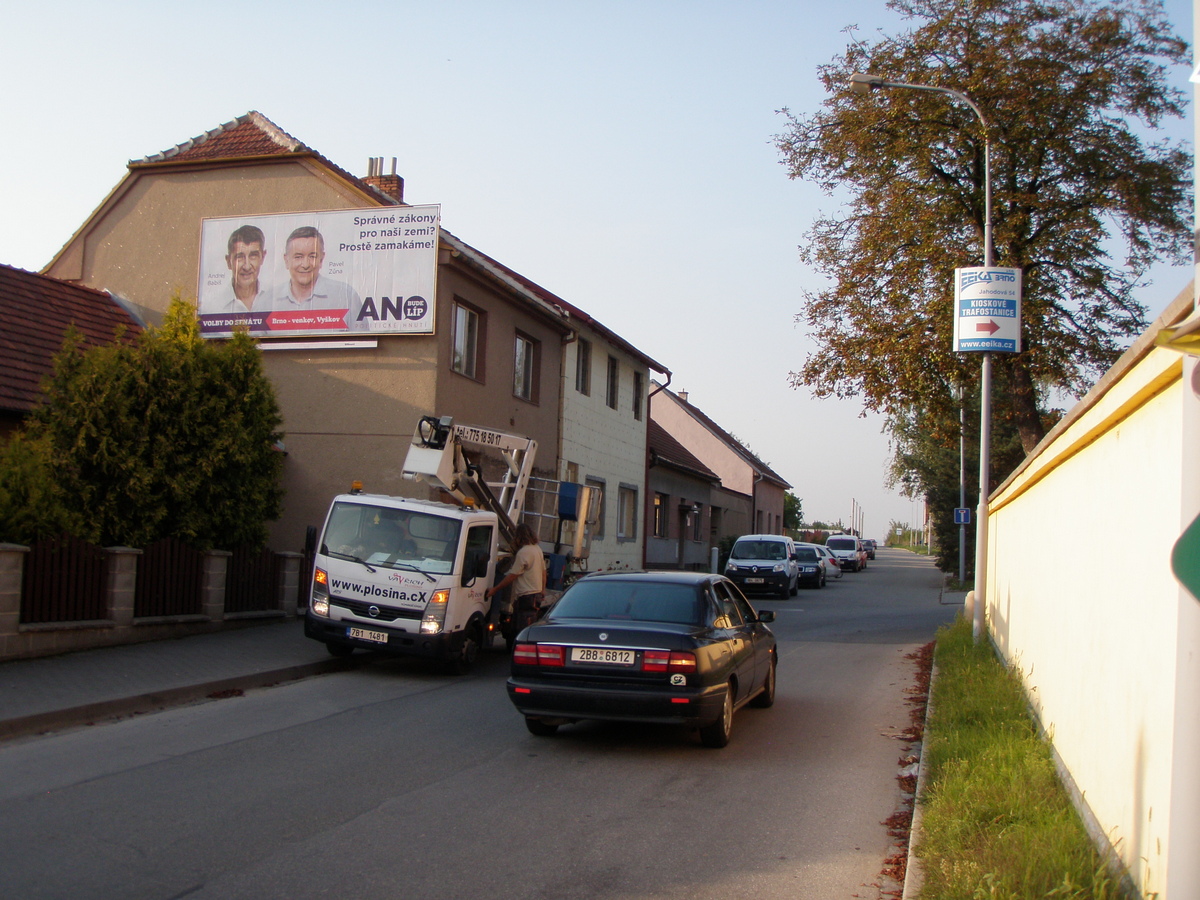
(1071, 90)
(173, 436)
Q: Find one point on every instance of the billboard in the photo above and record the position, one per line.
(343, 272)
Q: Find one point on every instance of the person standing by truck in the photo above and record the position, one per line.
(527, 575)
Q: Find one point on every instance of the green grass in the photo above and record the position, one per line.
(998, 824)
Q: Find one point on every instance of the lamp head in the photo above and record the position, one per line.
(862, 83)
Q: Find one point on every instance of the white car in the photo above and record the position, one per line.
(832, 569)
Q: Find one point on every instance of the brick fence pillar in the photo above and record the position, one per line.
(212, 589)
(289, 581)
(121, 587)
(12, 571)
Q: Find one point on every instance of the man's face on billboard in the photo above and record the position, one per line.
(244, 262)
(303, 259)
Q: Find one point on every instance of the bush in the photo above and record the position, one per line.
(173, 436)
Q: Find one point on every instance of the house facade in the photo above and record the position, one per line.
(679, 514)
(750, 497)
(350, 407)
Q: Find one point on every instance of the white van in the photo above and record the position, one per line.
(763, 562)
(849, 551)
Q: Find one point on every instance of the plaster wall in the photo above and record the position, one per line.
(1082, 601)
(608, 444)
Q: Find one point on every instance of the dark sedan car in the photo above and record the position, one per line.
(810, 566)
(682, 648)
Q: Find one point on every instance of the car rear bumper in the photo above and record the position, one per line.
(668, 706)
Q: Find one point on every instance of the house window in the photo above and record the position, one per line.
(611, 395)
(583, 367)
(598, 485)
(526, 368)
(465, 360)
(572, 472)
(638, 390)
(626, 513)
(661, 505)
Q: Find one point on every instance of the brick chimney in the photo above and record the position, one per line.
(392, 185)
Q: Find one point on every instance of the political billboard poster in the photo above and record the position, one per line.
(343, 272)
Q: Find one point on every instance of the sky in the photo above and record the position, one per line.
(618, 153)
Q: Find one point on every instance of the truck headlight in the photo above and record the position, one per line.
(319, 601)
(434, 619)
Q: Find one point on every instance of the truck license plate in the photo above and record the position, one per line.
(375, 637)
(754, 581)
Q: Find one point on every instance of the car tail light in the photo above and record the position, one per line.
(525, 654)
(539, 655)
(551, 655)
(668, 661)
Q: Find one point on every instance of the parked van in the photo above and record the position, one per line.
(849, 550)
(763, 562)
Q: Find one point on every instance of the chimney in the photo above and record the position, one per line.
(392, 185)
(682, 395)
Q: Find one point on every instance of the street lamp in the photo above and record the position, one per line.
(862, 83)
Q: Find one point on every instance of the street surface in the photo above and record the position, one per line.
(393, 780)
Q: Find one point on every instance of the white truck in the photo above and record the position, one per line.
(410, 576)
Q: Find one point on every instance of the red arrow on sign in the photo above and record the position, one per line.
(989, 326)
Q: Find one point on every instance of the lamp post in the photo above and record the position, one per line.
(862, 83)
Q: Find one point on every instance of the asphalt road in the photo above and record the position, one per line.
(392, 780)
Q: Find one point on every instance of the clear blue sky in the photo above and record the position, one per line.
(618, 153)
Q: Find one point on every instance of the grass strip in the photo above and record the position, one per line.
(997, 823)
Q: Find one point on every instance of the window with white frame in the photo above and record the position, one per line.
(626, 513)
(598, 484)
(661, 505)
(467, 331)
(583, 367)
(526, 366)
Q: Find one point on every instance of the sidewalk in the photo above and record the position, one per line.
(50, 693)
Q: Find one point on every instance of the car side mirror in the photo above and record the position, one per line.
(766, 615)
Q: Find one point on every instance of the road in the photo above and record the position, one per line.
(393, 780)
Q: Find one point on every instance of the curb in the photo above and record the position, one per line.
(89, 713)
(914, 873)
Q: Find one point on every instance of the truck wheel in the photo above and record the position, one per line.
(465, 658)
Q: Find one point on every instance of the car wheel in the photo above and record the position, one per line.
(766, 697)
(338, 650)
(717, 734)
(464, 659)
(540, 728)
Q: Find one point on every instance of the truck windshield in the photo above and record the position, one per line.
(390, 537)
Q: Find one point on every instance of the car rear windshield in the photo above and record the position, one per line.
(637, 601)
(759, 550)
(806, 554)
(841, 544)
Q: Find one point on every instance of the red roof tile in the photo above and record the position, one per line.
(36, 311)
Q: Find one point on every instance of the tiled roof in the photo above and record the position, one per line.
(665, 450)
(36, 311)
(246, 137)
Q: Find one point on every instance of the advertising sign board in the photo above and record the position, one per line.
(335, 272)
(987, 310)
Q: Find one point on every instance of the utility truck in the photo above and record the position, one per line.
(410, 576)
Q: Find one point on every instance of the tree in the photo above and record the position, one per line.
(174, 436)
(793, 512)
(1063, 85)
